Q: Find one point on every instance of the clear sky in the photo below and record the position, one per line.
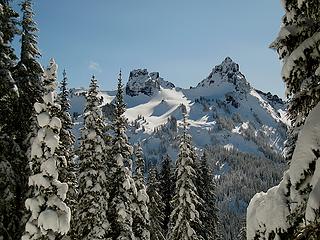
(181, 39)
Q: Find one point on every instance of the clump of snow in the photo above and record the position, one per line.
(55, 123)
(39, 107)
(50, 216)
(268, 212)
(299, 53)
(43, 119)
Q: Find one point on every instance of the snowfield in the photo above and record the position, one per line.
(223, 109)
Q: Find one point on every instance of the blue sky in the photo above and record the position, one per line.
(181, 39)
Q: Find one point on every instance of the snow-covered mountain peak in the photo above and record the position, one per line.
(228, 65)
(227, 72)
(223, 110)
(141, 81)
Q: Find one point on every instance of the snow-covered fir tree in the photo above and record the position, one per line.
(8, 88)
(297, 45)
(166, 188)
(50, 216)
(140, 202)
(206, 190)
(10, 154)
(294, 202)
(156, 207)
(122, 186)
(91, 214)
(184, 218)
(28, 72)
(66, 149)
(28, 75)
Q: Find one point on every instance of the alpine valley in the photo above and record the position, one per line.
(243, 128)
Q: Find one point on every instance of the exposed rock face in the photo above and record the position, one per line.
(272, 99)
(227, 71)
(140, 81)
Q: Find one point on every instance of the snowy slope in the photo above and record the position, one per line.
(223, 109)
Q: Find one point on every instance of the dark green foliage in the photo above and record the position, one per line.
(166, 188)
(208, 211)
(11, 183)
(29, 72)
(10, 218)
(140, 202)
(68, 170)
(8, 90)
(122, 186)
(156, 207)
(297, 46)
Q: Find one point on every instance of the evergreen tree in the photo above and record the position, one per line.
(10, 153)
(50, 216)
(28, 73)
(166, 188)
(156, 207)
(184, 218)
(297, 45)
(29, 76)
(8, 88)
(66, 149)
(91, 214)
(122, 186)
(206, 190)
(140, 203)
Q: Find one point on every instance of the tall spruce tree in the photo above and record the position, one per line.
(8, 88)
(29, 76)
(156, 207)
(166, 188)
(297, 45)
(66, 149)
(206, 190)
(122, 186)
(10, 153)
(184, 218)
(50, 216)
(140, 202)
(28, 72)
(91, 214)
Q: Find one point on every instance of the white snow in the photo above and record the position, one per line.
(39, 180)
(33, 204)
(49, 98)
(43, 119)
(51, 140)
(268, 211)
(50, 167)
(48, 220)
(39, 107)
(36, 149)
(55, 123)
(298, 53)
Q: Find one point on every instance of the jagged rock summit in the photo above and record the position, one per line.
(227, 71)
(140, 81)
(223, 110)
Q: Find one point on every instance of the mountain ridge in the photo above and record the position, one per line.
(223, 109)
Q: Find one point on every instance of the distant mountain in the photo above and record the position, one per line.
(140, 81)
(223, 109)
(243, 127)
